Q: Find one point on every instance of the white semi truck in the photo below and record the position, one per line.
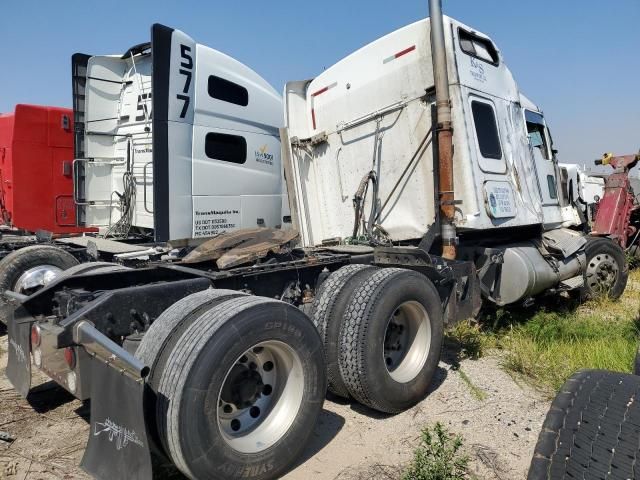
(164, 158)
(422, 183)
(584, 190)
(179, 153)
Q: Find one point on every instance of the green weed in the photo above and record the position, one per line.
(438, 457)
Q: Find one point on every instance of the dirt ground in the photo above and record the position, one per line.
(349, 442)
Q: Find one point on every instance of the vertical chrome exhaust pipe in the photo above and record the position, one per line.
(444, 131)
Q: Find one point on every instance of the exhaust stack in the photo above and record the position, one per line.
(444, 132)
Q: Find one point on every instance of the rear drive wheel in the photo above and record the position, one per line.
(328, 312)
(29, 269)
(606, 271)
(164, 332)
(241, 390)
(591, 429)
(159, 340)
(391, 340)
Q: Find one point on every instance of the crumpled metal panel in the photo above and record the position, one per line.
(241, 246)
(564, 241)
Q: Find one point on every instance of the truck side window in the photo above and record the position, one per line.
(478, 47)
(227, 91)
(228, 148)
(484, 119)
(536, 133)
(551, 183)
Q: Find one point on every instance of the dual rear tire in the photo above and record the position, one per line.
(237, 383)
(382, 333)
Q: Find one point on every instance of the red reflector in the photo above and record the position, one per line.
(313, 118)
(322, 90)
(70, 357)
(405, 51)
(35, 335)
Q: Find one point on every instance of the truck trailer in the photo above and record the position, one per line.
(219, 363)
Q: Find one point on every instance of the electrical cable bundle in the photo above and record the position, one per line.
(122, 227)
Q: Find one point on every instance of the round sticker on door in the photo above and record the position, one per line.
(500, 201)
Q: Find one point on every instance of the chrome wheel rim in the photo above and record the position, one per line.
(602, 272)
(261, 395)
(36, 278)
(407, 341)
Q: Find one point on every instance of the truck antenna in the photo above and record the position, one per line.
(444, 131)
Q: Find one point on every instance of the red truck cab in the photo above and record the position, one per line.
(36, 170)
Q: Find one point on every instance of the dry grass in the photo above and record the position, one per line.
(548, 342)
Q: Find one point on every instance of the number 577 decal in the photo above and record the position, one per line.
(186, 69)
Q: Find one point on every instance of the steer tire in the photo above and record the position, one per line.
(597, 249)
(19, 261)
(592, 429)
(391, 294)
(190, 390)
(328, 312)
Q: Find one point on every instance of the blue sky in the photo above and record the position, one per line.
(578, 60)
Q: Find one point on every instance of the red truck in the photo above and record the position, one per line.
(618, 211)
(36, 156)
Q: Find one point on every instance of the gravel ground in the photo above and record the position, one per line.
(349, 442)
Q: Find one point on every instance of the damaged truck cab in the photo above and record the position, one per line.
(370, 119)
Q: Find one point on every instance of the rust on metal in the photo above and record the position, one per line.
(618, 204)
(242, 246)
(444, 130)
(446, 192)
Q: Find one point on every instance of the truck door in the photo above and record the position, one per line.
(540, 148)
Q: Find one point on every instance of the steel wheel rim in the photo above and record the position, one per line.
(36, 278)
(254, 414)
(602, 272)
(407, 341)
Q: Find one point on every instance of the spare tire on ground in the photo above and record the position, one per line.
(238, 381)
(29, 269)
(592, 429)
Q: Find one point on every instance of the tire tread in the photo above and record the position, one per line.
(352, 344)
(593, 426)
(324, 312)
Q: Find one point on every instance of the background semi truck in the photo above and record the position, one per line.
(618, 211)
(36, 151)
(583, 189)
(36, 195)
(218, 359)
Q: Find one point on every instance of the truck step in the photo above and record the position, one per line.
(572, 283)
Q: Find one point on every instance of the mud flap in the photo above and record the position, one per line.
(19, 362)
(118, 444)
